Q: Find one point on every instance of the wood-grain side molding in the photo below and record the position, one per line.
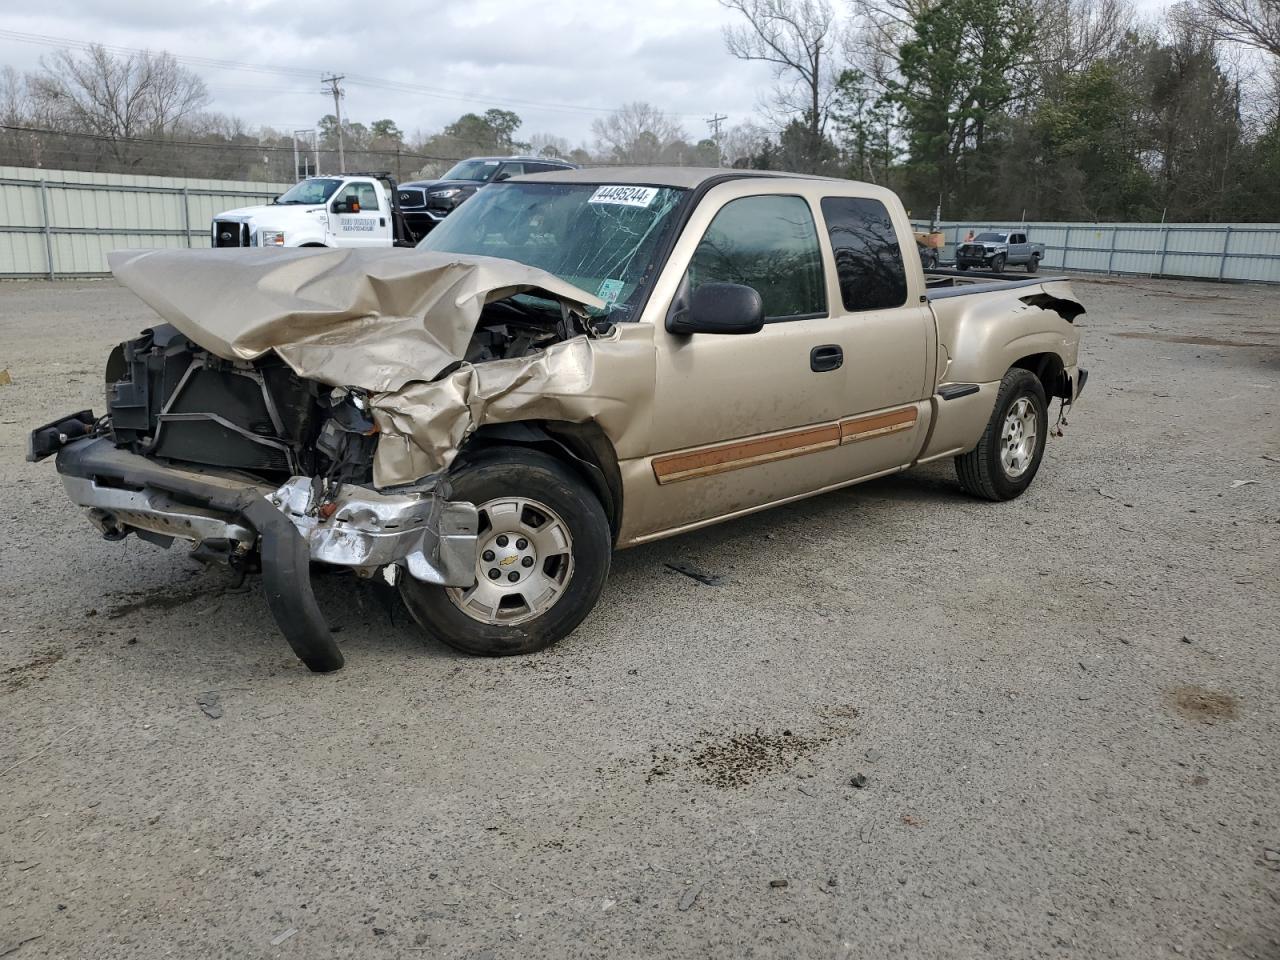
(722, 457)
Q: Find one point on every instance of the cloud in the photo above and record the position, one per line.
(464, 55)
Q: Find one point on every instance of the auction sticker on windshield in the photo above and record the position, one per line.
(626, 196)
(609, 290)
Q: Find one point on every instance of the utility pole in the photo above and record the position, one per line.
(336, 90)
(714, 123)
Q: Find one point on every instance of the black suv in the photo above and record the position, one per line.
(426, 202)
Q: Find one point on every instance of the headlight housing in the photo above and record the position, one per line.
(446, 194)
(271, 238)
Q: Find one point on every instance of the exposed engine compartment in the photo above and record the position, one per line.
(521, 325)
(170, 399)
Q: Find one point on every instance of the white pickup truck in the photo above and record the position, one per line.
(345, 210)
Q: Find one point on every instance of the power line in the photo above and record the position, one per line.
(199, 144)
(253, 147)
(362, 80)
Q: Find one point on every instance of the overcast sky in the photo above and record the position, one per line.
(557, 63)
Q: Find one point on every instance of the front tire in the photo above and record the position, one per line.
(544, 552)
(1006, 459)
(997, 263)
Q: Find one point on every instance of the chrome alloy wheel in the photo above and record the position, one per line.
(1018, 438)
(523, 565)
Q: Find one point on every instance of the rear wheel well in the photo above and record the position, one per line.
(1051, 373)
(581, 446)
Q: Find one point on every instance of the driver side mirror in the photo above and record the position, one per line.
(351, 205)
(720, 308)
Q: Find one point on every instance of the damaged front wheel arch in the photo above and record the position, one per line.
(582, 447)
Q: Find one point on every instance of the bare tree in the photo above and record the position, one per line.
(548, 145)
(1072, 35)
(798, 38)
(1251, 23)
(638, 133)
(15, 103)
(742, 142)
(879, 29)
(117, 98)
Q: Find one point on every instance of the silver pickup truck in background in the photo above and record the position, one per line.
(996, 250)
(572, 363)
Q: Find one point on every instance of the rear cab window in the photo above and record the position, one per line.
(770, 243)
(867, 254)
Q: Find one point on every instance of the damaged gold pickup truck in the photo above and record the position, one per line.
(573, 362)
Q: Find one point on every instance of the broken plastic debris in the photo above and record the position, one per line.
(282, 937)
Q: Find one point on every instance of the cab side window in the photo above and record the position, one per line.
(769, 243)
(508, 171)
(362, 193)
(868, 257)
(1017, 238)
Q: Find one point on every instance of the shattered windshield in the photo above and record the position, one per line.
(472, 170)
(603, 239)
(310, 191)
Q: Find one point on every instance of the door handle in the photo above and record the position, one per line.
(829, 356)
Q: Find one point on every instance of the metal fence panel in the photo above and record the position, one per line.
(62, 223)
(1212, 251)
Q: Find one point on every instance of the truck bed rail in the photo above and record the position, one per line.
(940, 284)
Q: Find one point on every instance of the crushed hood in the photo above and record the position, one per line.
(373, 318)
(397, 323)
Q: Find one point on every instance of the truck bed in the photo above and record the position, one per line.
(940, 284)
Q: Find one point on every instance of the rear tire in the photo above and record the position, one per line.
(1006, 459)
(962, 266)
(1033, 264)
(541, 525)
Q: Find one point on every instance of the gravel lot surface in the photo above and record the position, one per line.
(1066, 708)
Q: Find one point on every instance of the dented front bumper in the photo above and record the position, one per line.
(227, 516)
